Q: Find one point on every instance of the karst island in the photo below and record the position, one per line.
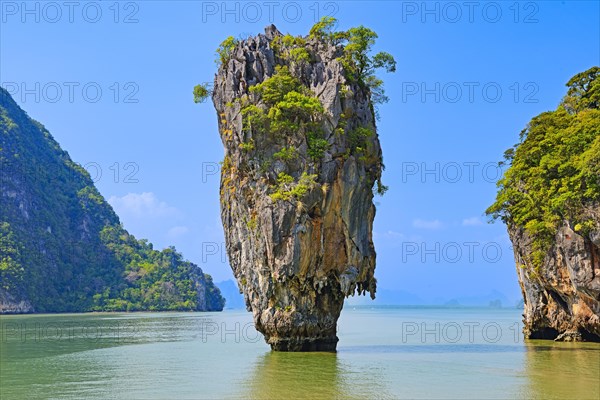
(297, 118)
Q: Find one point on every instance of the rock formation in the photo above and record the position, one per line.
(296, 184)
(549, 199)
(562, 299)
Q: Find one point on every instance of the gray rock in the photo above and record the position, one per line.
(562, 297)
(296, 261)
(9, 304)
(569, 337)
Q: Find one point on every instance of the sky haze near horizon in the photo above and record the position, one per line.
(112, 81)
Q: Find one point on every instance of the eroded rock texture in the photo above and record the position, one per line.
(562, 297)
(296, 260)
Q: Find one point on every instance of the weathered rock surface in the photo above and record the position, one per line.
(10, 305)
(562, 298)
(296, 261)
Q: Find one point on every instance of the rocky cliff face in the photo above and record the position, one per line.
(296, 204)
(562, 297)
(11, 305)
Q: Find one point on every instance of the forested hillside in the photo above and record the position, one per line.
(63, 248)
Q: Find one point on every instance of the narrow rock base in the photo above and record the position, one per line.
(328, 344)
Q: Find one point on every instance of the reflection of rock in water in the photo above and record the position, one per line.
(562, 370)
(282, 375)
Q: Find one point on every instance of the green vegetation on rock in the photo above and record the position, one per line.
(62, 247)
(225, 50)
(201, 93)
(359, 65)
(554, 173)
(287, 189)
(286, 154)
(283, 105)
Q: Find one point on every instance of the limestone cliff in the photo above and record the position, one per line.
(549, 199)
(562, 297)
(297, 184)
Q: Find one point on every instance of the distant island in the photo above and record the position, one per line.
(63, 248)
(234, 299)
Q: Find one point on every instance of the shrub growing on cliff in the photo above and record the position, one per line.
(317, 146)
(225, 49)
(553, 174)
(323, 29)
(297, 106)
(356, 58)
(274, 89)
(255, 119)
(247, 146)
(287, 189)
(357, 138)
(286, 154)
(201, 93)
(359, 65)
(291, 106)
(381, 189)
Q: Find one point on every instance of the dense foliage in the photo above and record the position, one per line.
(554, 173)
(290, 106)
(62, 247)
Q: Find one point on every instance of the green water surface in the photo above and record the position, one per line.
(394, 352)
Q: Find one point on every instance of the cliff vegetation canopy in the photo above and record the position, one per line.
(554, 172)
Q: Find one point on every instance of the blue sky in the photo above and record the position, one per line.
(113, 81)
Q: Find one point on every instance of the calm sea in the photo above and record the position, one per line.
(384, 352)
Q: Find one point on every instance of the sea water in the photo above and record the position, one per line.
(383, 352)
